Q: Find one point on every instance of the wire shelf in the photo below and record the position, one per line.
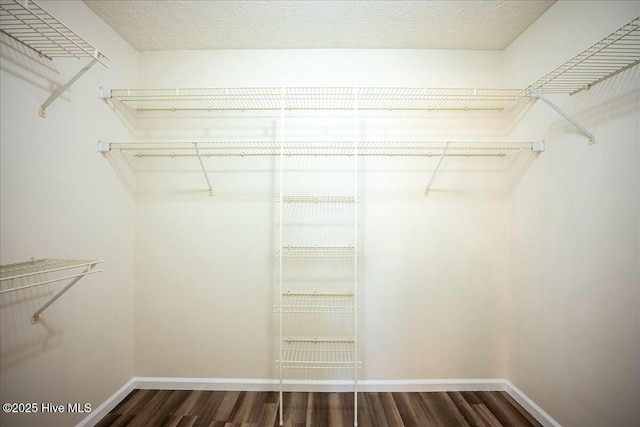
(321, 148)
(34, 27)
(29, 274)
(40, 266)
(615, 53)
(317, 98)
(328, 303)
(318, 353)
(319, 199)
(318, 251)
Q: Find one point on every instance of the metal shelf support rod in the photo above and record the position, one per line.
(206, 177)
(280, 261)
(61, 90)
(567, 117)
(36, 315)
(355, 258)
(444, 153)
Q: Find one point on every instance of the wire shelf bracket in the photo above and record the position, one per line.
(444, 153)
(32, 26)
(206, 177)
(566, 116)
(41, 267)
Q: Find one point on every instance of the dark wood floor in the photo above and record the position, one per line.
(187, 408)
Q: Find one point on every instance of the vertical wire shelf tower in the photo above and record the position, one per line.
(318, 259)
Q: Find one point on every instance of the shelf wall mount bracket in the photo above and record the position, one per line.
(62, 89)
(104, 147)
(36, 316)
(565, 115)
(204, 171)
(537, 146)
(444, 153)
(35, 269)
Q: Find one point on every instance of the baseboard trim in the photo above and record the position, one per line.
(163, 383)
(538, 413)
(431, 385)
(228, 384)
(112, 401)
(241, 384)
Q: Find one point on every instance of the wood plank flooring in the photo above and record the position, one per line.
(190, 408)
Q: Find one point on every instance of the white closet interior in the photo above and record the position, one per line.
(308, 151)
(610, 56)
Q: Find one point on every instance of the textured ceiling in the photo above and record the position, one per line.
(178, 25)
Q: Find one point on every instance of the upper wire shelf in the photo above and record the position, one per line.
(615, 53)
(34, 27)
(320, 148)
(610, 56)
(316, 98)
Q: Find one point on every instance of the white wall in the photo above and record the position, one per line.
(574, 322)
(61, 199)
(433, 276)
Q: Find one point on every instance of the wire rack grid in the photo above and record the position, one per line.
(317, 98)
(614, 54)
(30, 24)
(314, 353)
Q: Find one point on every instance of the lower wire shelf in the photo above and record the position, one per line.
(313, 302)
(316, 353)
(290, 251)
(320, 199)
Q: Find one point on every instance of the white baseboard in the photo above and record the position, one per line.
(538, 413)
(431, 385)
(240, 384)
(112, 401)
(229, 384)
(160, 383)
